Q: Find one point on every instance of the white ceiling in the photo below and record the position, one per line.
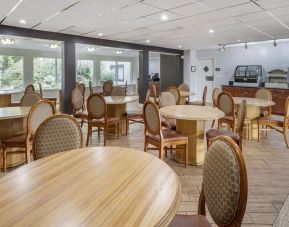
(139, 20)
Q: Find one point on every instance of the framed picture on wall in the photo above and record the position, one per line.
(193, 69)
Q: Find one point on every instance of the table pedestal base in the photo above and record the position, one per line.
(253, 112)
(194, 130)
(5, 100)
(117, 110)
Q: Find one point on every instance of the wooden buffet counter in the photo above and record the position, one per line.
(279, 95)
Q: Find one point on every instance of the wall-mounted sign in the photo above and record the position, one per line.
(193, 69)
(218, 69)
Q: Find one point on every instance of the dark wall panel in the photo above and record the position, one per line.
(143, 82)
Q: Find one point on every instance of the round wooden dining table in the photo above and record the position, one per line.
(96, 186)
(116, 107)
(184, 95)
(253, 111)
(13, 122)
(190, 122)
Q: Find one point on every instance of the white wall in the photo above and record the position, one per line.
(154, 65)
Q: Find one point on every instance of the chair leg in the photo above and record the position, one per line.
(213, 123)
(88, 134)
(118, 129)
(161, 154)
(285, 138)
(4, 158)
(166, 152)
(98, 132)
(258, 131)
(186, 155)
(127, 125)
(105, 135)
(146, 146)
(81, 124)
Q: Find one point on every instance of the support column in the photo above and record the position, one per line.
(143, 82)
(68, 76)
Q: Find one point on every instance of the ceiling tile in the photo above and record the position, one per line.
(168, 4)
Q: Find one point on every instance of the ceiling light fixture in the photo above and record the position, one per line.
(148, 41)
(164, 17)
(7, 41)
(118, 51)
(100, 34)
(246, 45)
(180, 46)
(211, 31)
(54, 45)
(239, 40)
(91, 49)
(275, 43)
(22, 21)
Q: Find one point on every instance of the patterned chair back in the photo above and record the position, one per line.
(152, 118)
(29, 88)
(77, 100)
(167, 99)
(184, 87)
(225, 185)
(56, 134)
(263, 93)
(81, 87)
(107, 87)
(39, 113)
(29, 99)
(226, 103)
(215, 96)
(241, 117)
(118, 91)
(204, 98)
(96, 106)
(175, 92)
(90, 87)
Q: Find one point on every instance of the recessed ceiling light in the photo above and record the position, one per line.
(164, 17)
(211, 31)
(54, 45)
(118, 51)
(180, 46)
(100, 34)
(239, 40)
(22, 21)
(148, 41)
(7, 41)
(91, 49)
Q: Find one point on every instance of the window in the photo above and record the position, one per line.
(84, 71)
(47, 71)
(11, 72)
(119, 72)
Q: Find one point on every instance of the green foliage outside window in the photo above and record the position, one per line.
(84, 71)
(11, 72)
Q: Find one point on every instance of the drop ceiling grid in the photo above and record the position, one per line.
(137, 21)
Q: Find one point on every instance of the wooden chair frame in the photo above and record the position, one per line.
(161, 145)
(215, 101)
(27, 145)
(99, 125)
(242, 202)
(284, 125)
(75, 114)
(230, 123)
(34, 147)
(104, 93)
(28, 87)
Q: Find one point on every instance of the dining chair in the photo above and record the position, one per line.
(215, 96)
(167, 99)
(265, 94)
(224, 190)
(236, 136)
(273, 121)
(78, 111)
(204, 98)
(98, 117)
(226, 103)
(90, 87)
(153, 93)
(29, 88)
(41, 94)
(81, 87)
(29, 99)
(185, 87)
(37, 114)
(56, 134)
(161, 139)
(125, 87)
(107, 88)
(176, 93)
(117, 91)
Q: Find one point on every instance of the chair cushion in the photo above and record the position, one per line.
(227, 118)
(212, 133)
(272, 120)
(16, 139)
(135, 115)
(168, 135)
(109, 120)
(82, 114)
(189, 221)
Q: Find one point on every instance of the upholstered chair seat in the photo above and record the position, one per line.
(81, 114)
(212, 133)
(109, 119)
(18, 139)
(190, 221)
(168, 136)
(272, 120)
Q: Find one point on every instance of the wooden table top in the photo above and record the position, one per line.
(113, 100)
(190, 112)
(186, 93)
(97, 186)
(13, 112)
(254, 101)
